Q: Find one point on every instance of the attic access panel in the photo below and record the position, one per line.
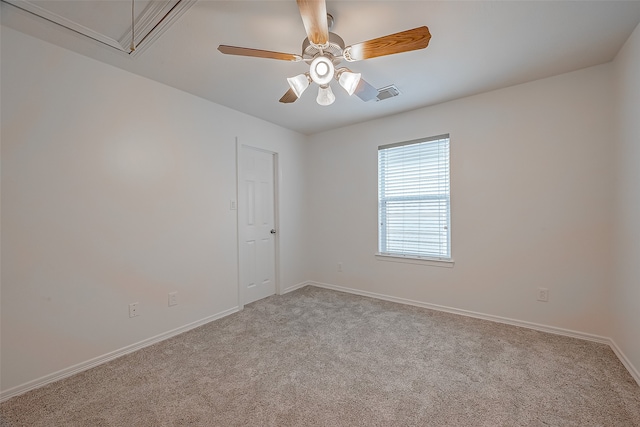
(109, 21)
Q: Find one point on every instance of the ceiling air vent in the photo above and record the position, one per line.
(387, 92)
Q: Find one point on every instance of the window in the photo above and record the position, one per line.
(413, 199)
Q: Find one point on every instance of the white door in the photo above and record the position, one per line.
(256, 224)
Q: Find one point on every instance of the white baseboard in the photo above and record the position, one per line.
(530, 325)
(295, 287)
(508, 321)
(72, 370)
(625, 361)
(67, 372)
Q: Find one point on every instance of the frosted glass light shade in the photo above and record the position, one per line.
(321, 70)
(299, 83)
(349, 81)
(325, 96)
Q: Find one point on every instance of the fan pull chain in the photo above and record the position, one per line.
(133, 29)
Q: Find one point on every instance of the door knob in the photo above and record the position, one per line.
(273, 231)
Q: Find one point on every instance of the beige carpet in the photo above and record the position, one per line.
(325, 358)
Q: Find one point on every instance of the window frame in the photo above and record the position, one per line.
(438, 261)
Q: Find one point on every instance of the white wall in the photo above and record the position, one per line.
(531, 203)
(116, 189)
(626, 301)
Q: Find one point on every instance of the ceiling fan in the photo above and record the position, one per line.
(324, 51)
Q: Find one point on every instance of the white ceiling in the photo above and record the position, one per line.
(476, 46)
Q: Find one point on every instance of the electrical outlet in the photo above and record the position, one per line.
(543, 294)
(173, 298)
(133, 309)
(340, 267)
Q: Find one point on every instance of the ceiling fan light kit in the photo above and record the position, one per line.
(348, 80)
(321, 70)
(323, 51)
(325, 96)
(299, 83)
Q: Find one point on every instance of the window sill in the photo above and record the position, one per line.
(434, 262)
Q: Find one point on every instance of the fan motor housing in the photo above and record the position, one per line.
(334, 49)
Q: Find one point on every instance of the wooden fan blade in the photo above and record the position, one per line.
(314, 18)
(289, 97)
(257, 53)
(365, 91)
(405, 41)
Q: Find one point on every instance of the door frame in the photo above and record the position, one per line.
(276, 217)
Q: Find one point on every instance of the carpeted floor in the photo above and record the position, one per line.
(316, 357)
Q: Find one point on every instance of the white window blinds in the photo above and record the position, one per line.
(413, 198)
